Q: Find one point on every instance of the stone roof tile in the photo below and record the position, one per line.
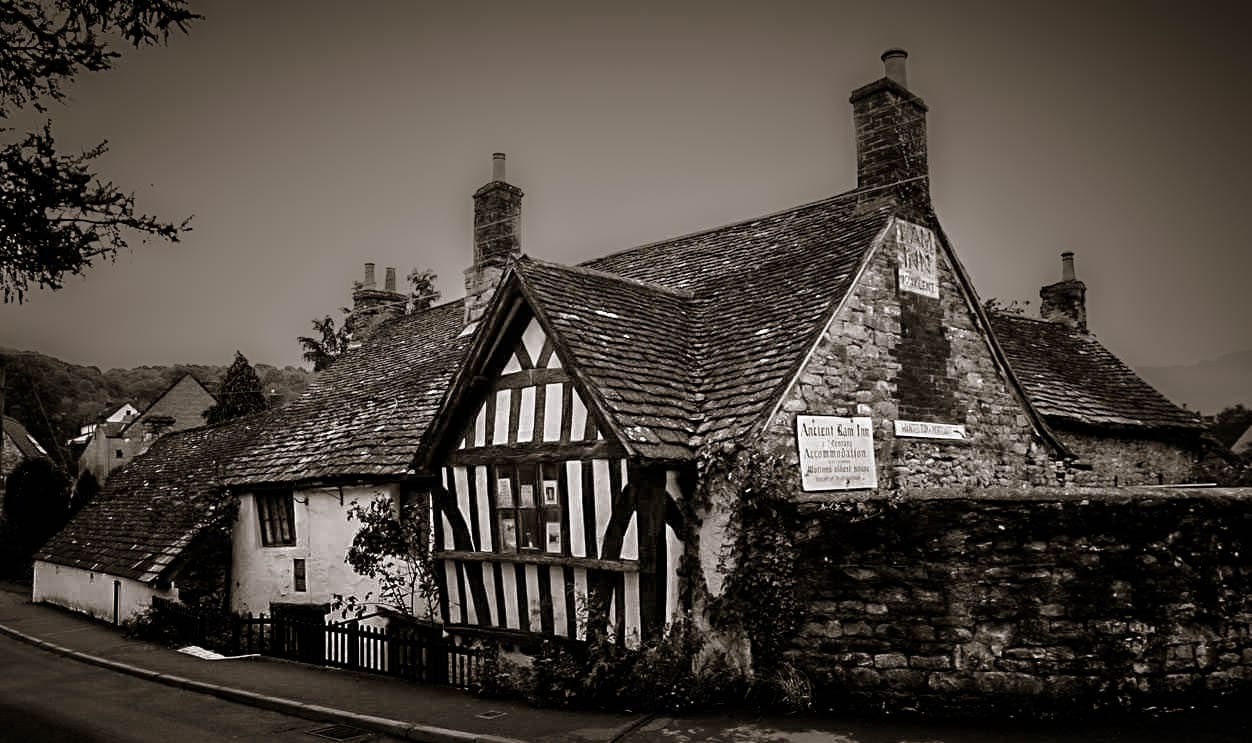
(152, 508)
(1070, 376)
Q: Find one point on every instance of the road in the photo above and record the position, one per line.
(46, 698)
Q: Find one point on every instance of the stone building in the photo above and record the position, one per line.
(1122, 431)
(112, 444)
(562, 428)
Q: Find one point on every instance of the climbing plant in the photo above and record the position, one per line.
(763, 590)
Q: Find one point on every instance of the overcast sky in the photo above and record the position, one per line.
(310, 137)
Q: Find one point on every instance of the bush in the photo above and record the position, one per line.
(659, 676)
(174, 624)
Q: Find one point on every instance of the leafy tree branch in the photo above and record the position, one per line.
(57, 216)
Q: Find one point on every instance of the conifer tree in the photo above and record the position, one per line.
(241, 393)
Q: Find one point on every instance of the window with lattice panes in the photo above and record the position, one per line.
(528, 508)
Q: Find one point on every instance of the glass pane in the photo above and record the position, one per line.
(508, 533)
(530, 529)
(553, 544)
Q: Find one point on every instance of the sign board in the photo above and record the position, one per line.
(921, 430)
(836, 453)
(918, 256)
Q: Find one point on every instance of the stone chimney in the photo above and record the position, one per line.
(1065, 302)
(372, 306)
(890, 124)
(497, 237)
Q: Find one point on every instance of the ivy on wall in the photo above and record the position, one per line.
(763, 593)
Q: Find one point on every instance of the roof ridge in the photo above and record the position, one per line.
(587, 270)
(727, 225)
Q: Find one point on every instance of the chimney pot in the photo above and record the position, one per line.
(894, 63)
(390, 282)
(1067, 266)
(369, 275)
(497, 166)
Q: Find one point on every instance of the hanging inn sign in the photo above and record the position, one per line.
(836, 453)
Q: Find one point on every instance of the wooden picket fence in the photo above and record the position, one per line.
(415, 653)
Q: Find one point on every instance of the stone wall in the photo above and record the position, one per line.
(1120, 461)
(897, 355)
(1042, 602)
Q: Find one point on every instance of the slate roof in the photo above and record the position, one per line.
(632, 341)
(21, 438)
(691, 340)
(365, 415)
(1070, 377)
(761, 291)
(151, 509)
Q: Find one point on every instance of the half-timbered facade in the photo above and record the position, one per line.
(544, 521)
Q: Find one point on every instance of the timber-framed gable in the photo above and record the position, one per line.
(546, 523)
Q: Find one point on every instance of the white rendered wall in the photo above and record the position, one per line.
(92, 592)
(262, 575)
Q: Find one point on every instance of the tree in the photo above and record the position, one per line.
(422, 292)
(241, 393)
(36, 506)
(393, 548)
(322, 352)
(1230, 423)
(56, 215)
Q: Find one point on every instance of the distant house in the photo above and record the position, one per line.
(149, 531)
(120, 417)
(113, 443)
(16, 445)
(1122, 430)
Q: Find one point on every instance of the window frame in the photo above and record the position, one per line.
(531, 517)
(275, 510)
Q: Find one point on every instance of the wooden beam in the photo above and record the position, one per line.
(539, 558)
(533, 452)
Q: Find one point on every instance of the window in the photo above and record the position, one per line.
(528, 508)
(298, 569)
(120, 454)
(278, 522)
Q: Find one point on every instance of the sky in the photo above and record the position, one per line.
(308, 138)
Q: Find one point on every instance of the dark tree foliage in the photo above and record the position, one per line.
(86, 488)
(1230, 424)
(422, 292)
(56, 215)
(36, 505)
(241, 393)
(321, 352)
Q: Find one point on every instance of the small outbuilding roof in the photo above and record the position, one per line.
(154, 507)
(1070, 377)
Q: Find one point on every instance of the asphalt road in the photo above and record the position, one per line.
(45, 698)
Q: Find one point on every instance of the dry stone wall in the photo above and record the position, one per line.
(1051, 602)
(1127, 461)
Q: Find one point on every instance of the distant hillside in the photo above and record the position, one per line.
(54, 398)
(1206, 386)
